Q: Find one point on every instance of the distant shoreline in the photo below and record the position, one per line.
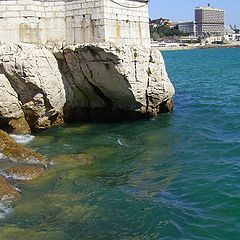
(191, 47)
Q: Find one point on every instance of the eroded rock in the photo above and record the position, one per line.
(33, 87)
(90, 82)
(24, 173)
(17, 152)
(106, 82)
(7, 191)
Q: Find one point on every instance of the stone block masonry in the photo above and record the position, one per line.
(64, 22)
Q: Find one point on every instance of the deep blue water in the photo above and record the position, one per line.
(173, 177)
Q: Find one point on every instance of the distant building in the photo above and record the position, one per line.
(188, 27)
(209, 21)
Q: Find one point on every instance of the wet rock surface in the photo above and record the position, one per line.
(17, 152)
(24, 173)
(7, 191)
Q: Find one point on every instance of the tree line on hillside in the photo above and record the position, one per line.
(162, 28)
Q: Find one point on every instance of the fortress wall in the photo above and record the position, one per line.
(126, 21)
(74, 21)
(84, 21)
(32, 21)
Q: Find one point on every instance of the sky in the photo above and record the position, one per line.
(178, 10)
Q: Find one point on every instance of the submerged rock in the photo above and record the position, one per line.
(24, 173)
(11, 149)
(24, 154)
(7, 191)
(73, 160)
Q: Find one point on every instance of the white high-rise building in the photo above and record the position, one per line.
(209, 21)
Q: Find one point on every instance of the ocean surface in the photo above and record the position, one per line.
(176, 176)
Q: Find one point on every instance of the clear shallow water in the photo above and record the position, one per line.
(173, 177)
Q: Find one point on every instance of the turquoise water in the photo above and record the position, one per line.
(173, 177)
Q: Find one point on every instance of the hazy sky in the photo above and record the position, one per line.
(184, 9)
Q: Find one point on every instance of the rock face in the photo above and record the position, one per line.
(105, 82)
(32, 87)
(40, 87)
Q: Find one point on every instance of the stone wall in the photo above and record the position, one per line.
(32, 21)
(126, 22)
(74, 21)
(84, 21)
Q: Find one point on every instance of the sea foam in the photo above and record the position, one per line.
(23, 139)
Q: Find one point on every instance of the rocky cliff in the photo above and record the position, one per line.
(40, 87)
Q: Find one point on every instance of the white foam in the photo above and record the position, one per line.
(23, 139)
(119, 142)
(2, 156)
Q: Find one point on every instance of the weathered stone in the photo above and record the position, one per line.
(24, 173)
(23, 153)
(6, 140)
(36, 90)
(18, 152)
(11, 115)
(88, 82)
(7, 191)
(106, 82)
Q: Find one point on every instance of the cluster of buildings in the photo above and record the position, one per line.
(209, 25)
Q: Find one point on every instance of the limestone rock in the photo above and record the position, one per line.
(114, 82)
(11, 114)
(39, 88)
(36, 89)
(7, 191)
(24, 173)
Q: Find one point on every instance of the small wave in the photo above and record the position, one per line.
(2, 156)
(5, 209)
(23, 139)
(119, 142)
(16, 177)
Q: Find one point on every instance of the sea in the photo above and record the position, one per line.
(176, 176)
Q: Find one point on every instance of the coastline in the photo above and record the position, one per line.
(191, 47)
